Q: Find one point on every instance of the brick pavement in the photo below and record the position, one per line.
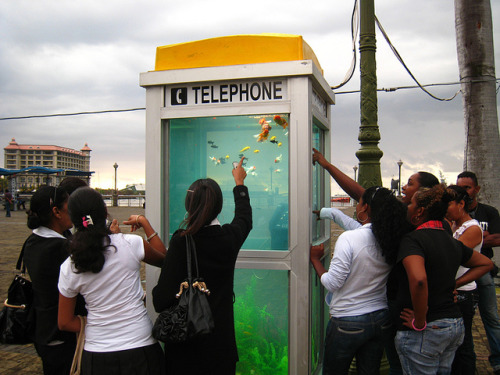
(22, 359)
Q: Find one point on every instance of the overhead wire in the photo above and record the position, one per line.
(400, 59)
(354, 33)
(72, 114)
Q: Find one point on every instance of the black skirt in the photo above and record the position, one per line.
(147, 360)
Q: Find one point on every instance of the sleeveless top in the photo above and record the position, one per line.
(456, 234)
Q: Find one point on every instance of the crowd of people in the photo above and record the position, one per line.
(429, 287)
(404, 278)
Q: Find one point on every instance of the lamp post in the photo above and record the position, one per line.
(369, 154)
(115, 193)
(399, 163)
(355, 170)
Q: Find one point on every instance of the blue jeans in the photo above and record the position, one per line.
(356, 336)
(432, 350)
(489, 316)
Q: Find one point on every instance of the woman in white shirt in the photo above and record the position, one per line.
(105, 269)
(357, 279)
(468, 231)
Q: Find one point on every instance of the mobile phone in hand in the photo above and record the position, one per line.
(235, 164)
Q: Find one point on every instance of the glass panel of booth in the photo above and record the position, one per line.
(201, 147)
(318, 308)
(261, 321)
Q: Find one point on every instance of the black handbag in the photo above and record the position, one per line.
(191, 317)
(15, 319)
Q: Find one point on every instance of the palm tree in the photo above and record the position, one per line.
(474, 33)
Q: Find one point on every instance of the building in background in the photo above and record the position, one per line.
(53, 162)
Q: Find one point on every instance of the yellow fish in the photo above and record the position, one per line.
(227, 156)
(273, 138)
(245, 149)
(279, 144)
(256, 151)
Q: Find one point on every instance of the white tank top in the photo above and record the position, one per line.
(456, 234)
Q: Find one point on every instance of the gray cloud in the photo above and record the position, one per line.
(62, 57)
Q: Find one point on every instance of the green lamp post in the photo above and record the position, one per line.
(369, 154)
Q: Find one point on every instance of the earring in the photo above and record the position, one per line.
(359, 219)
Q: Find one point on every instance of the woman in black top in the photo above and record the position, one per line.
(431, 326)
(43, 255)
(217, 249)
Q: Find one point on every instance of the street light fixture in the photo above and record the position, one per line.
(115, 193)
(355, 170)
(399, 163)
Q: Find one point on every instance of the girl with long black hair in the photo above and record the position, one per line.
(357, 277)
(104, 267)
(217, 247)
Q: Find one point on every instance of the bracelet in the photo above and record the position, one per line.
(418, 329)
(150, 237)
(137, 220)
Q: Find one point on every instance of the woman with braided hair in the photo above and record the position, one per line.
(104, 267)
(431, 327)
(356, 280)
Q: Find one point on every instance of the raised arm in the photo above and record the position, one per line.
(351, 187)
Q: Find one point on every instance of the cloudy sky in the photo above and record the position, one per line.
(76, 56)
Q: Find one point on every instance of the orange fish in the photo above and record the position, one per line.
(265, 127)
(280, 121)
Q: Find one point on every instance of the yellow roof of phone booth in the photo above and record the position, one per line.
(234, 50)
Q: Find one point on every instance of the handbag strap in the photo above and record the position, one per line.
(191, 252)
(20, 260)
(80, 342)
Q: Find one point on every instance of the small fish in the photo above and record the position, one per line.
(245, 149)
(280, 121)
(251, 171)
(277, 171)
(265, 128)
(256, 151)
(222, 161)
(210, 142)
(273, 139)
(213, 158)
(227, 156)
(214, 146)
(279, 144)
(278, 158)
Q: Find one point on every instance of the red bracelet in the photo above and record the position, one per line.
(418, 329)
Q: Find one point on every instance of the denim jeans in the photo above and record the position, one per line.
(465, 357)
(355, 336)
(489, 316)
(430, 351)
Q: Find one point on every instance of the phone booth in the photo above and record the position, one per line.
(211, 102)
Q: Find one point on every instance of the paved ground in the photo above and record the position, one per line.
(22, 359)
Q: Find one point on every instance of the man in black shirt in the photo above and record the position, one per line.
(489, 219)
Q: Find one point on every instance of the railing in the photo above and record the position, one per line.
(126, 200)
(123, 200)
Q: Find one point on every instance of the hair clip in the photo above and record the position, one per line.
(87, 220)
